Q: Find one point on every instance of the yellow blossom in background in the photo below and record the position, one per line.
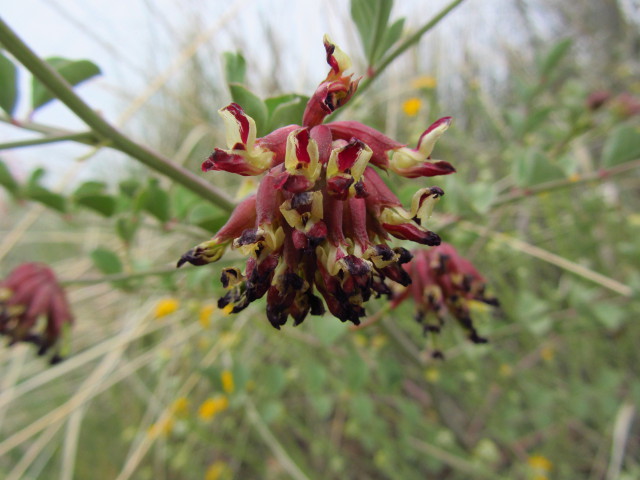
(547, 353)
(411, 107)
(541, 465)
(505, 370)
(227, 381)
(424, 81)
(180, 407)
(217, 471)
(432, 375)
(212, 406)
(574, 177)
(166, 306)
(378, 341)
(204, 315)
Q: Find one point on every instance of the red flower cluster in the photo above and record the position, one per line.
(443, 281)
(30, 292)
(321, 217)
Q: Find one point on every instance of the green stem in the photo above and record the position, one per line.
(61, 89)
(566, 182)
(404, 46)
(82, 137)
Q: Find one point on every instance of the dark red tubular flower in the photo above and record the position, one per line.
(30, 293)
(443, 281)
(316, 232)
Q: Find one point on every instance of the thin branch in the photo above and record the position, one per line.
(61, 89)
(600, 175)
(82, 137)
(552, 258)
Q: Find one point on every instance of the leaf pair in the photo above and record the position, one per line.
(377, 36)
(73, 71)
(270, 114)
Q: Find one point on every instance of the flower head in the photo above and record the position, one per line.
(30, 292)
(444, 282)
(317, 230)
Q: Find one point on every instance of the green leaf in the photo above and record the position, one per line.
(356, 371)
(371, 18)
(623, 145)
(327, 329)
(251, 104)
(207, 217)
(38, 193)
(555, 56)
(7, 180)
(73, 71)
(93, 195)
(106, 261)
(273, 379)
(9, 82)
(156, 201)
(391, 35)
(285, 110)
(126, 228)
(532, 167)
(235, 67)
(130, 187)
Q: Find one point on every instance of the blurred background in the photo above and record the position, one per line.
(161, 384)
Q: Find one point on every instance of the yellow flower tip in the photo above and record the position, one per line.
(227, 309)
(540, 463)
(166, 306)
(180, 406)
(505, 370)
(432, 375)
(411, 107)
(212, 406)
(217, 470)
(228, 384)
(547, 353)
(204, 315)
(425, 81)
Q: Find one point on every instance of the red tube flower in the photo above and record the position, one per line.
(318, 226)
(443, 281)
(29, 293)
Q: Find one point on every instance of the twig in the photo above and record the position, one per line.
(566, 183)
(552, 258)
(272, 442)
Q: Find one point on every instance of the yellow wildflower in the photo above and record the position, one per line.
(540, 463)
(547, 353)
(180, 407)
(378, 341)
(432, 375)
(411, 107)
(212, 406)
(166, 306)
(574, 177)
(217, 470)
(204, 316)
(227, 381)
(505, 370)
(424, 81)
